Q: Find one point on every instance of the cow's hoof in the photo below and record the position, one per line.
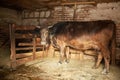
(60, 62)
(104, 72)
(67, 61)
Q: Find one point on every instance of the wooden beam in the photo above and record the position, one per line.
(28, 44)
(19, 36)
(26, 48)
(23, 55)
(78, 3)
(25, 28)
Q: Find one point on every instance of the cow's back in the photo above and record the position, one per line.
(81, 28)
(81, 33)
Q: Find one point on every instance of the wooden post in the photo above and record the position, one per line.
(34, 47)
(43, 50)
(74, 14)
(63, 16)
(113, 55)
(51, 51)
(81, 55)
(12, 48)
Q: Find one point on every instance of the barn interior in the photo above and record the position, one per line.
(22, 57)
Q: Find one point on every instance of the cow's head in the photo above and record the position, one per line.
(44, 36)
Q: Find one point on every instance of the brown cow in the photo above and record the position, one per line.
(97, 35)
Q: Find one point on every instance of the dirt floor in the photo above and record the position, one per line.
(50, 69)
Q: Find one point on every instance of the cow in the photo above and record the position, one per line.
(98, 35)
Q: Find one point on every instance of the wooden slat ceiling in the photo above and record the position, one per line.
(33, 4)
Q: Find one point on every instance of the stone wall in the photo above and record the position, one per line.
(106, 11)
(109, 11)
(101, 11)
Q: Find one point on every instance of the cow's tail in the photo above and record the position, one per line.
(113, 45)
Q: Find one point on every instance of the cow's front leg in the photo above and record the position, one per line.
(61, 54)
(106, 55)
(107, 63)
(67, 54)
(99, 59)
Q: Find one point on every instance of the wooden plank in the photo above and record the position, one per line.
(25, 27)
(29, 44)
(18, 36)
(25, 44)
(38, 46)
(28, 58)
(22, 55)
(24, 60)
(26, 48)
(78, 3)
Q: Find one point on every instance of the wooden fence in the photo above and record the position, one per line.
(24, 45)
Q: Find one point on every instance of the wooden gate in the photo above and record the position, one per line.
(24, 45)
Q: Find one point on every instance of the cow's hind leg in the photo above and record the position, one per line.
(99, 59)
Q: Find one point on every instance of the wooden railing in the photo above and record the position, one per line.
(23, 51)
